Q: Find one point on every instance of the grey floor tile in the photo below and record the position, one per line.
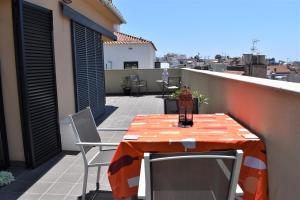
(77, 190)
(60, 188)
(91, 178)
(69, 178)
(93, 170)
(71, 198)
(129, 107)
(68, 159)
(52, 197)
(61, 168)
(49, 177)
(29, 196)
(76, 169)
(39, 187)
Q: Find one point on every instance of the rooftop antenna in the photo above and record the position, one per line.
(253, 47)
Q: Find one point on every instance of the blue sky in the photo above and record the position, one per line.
(213, 27)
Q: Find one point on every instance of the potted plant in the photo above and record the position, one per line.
(171, 102)
(6, 178)
(126, 86)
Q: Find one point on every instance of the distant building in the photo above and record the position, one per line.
(278, 69)
(175, 60)
(129, 52)
(255, 65)
(283, 73)
(218, 67)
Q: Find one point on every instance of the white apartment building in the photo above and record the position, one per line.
(129, 52)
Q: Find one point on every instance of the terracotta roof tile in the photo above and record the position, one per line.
(123, 38)
(278, 68)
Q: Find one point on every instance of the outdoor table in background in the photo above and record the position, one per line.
(162, 84)
(160, 133)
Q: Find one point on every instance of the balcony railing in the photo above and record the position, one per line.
(269, 108)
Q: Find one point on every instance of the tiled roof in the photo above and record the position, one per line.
(278, 68)
(123, 38)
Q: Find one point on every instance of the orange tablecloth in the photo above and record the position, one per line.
(160, 133)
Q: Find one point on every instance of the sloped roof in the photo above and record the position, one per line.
(113, 9)
(123, 38)
(278, 68)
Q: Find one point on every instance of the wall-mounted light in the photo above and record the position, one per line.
(67, 1)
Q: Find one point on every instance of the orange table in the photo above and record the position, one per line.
(160, 133)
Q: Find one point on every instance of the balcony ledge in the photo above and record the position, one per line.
(281, 85)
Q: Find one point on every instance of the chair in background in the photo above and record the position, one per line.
(174, 83)
(171, 106)
(137, 84)
(87, 136)
(188, 176)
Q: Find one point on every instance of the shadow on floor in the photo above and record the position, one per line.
(101, 195)
(25, 178)
(98, 195)
(108, 111)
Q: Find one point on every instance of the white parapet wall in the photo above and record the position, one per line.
(269, 108)
(113, 78)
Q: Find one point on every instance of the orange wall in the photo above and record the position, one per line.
(270, 108)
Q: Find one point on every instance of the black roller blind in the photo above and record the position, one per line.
(88, 69)
(38, 84)
(4, 159)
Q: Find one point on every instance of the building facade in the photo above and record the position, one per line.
(51, 56)
(129, 52)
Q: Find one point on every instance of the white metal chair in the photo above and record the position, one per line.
(137, 84)
(87, 136)
(174, 83)
(180, 176)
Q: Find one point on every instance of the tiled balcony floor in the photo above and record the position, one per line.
(61, 177)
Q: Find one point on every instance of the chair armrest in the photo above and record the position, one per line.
(142, 183)
(112, 129)
(96, 144)
(239, 192)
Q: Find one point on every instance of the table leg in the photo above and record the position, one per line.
(163, 89)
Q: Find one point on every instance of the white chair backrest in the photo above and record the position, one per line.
(174, 81)
(84, 127)
(192, 175)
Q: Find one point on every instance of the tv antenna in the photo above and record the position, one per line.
(253, 47)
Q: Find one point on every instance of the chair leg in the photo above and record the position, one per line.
(98, 178)
(86, 171)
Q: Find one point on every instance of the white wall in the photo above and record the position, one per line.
(269, 108)
(117, 54)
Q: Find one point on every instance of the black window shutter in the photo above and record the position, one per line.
(4, 158)
(88, 69)
(38, 84)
